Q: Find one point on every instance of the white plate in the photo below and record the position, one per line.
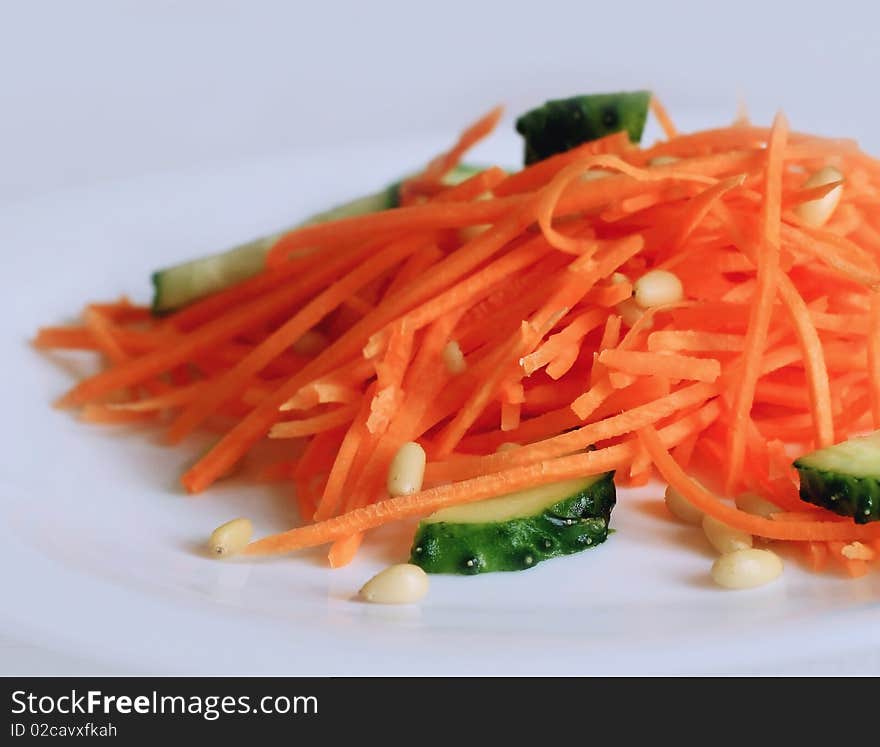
(101, 553)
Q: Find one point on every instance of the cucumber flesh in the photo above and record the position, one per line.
(562, 124)
(844, 478)
(516, 531)
(181, 284)
(177, 286)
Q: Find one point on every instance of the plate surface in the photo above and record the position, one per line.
(102, 561)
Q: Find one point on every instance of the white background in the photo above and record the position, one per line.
(96, 92)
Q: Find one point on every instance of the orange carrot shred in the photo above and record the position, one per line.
(499, 312)
(768, 264)
(874, 356)
(663, 118)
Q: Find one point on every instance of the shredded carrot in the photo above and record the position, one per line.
(433, 499)
(774, 349)
(874, 356)
(699, 208)
(567, 443)
(670, 365)
(107, 415)
(351, 442)
(441, 165)
(285, 336)
(814, 361)
(177, 397)
(694, 340)
(102, 331)
(317, 424)
(540, 173)
(659, 111)
(759, 322)
(803, 530)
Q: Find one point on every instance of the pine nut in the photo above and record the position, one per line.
(681, 508)
(746, 569)
(230, 538)
(817, 212)
(755, 505)
(407, 470)
(663, 161)
(723, 538)
(657, 288)
(857, 551)
(398, 584)
(618, 278)
(454, 358)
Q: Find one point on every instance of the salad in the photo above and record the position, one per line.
(496, 352)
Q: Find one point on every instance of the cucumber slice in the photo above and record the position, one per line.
(844, 478)
(515, 531)
(181, 284)
(177, 286)
(562, 124)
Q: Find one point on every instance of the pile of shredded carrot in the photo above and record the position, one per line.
(339, 343)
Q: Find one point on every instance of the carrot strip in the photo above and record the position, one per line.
(468, 491)
(670, 365)
(343, 550)
(695, 341)
(233, 381)
(102, 331)
(435, 216)
(106, 415)
(573, 333)
(174, 398)
(470, 137)
(551, 198)
(540, 173)
(433, 499)
(874, 356)
(610, 295)
(814, 359)
(473, 406)
(303, 269)
(422, 382)
(586, 404)
(733, 517)
(463, 467)
(201, 339)
(390, 373)
(66, 338)
(133, 342)
(415, 266)
(534, 429)
(776, 345)
(700, 206)
(317, 424)
(123, 311)
(351, 442)
(563, 362)
(759, 320)
(478, 285)
(659, 111)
